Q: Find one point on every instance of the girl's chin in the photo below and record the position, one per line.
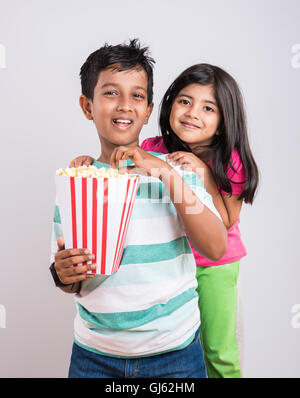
(188, 139)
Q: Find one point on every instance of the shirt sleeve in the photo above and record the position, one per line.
(154, 144)
(199, 190)
(196, 185)
(146, 144)
(56, 232)
(237, 177)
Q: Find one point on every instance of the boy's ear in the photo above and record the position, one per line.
(149, 111)
(85, 105)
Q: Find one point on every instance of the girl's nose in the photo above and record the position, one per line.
(193, 113)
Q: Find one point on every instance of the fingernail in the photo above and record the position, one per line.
(86, 251)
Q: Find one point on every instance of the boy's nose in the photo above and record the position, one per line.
(124, 106)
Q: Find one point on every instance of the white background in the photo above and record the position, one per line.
(42, 128)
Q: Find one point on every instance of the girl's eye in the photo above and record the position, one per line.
(184, 101)
(208, 108)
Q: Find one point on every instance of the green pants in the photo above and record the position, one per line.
(217, 290)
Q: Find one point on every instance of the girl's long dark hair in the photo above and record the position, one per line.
(232, 129)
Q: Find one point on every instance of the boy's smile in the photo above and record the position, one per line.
(119, 107)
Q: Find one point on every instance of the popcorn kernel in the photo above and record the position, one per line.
(90, 172)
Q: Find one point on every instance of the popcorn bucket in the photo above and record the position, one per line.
(95, 214)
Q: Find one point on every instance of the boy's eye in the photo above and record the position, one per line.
(110, 92)
(138, 95)
(184, 101)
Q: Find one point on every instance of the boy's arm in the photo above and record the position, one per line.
(63, 261)
(205, 230)
(229, 207)
(83, 160)
(69, 274)
(211, 187)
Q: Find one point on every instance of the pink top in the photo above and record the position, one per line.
(235, 248)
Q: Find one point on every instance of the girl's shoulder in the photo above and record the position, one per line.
(154, 144)
(236, 163)
(236, 157)
(236, 173)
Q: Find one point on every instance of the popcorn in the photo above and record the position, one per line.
(95, 212)
(90, 171)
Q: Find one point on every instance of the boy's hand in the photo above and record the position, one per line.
(141, 159)
(83, 160)
(65, 261)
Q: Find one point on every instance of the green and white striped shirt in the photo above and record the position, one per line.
(150, 305)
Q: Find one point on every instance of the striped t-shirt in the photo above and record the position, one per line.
(150, 305)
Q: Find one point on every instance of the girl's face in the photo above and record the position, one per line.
(195, 115)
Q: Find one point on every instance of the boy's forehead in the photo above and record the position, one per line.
(136, 76)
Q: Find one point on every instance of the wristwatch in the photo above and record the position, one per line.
(55, 277)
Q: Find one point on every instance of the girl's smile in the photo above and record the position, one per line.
(195, 114)
(189, 125)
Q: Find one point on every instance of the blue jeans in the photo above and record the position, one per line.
(188, 362)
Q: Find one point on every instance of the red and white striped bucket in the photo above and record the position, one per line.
(95, 214)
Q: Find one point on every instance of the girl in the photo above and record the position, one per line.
(203, 126)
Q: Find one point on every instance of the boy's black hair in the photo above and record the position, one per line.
(232, 128)
(124, 57)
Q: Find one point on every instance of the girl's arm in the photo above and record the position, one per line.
(233, 208)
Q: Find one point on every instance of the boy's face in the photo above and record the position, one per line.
(119, 108)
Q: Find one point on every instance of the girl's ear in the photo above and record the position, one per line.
(86, 107)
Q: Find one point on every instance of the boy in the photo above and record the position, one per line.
(142, 321)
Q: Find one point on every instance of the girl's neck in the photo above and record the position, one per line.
(201, 152)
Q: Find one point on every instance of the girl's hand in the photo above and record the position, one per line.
(83, 160)
(142, 160)
(187, 160)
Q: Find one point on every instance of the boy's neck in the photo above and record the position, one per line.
(107, 149)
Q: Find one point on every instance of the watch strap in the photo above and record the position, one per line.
(55, 277)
